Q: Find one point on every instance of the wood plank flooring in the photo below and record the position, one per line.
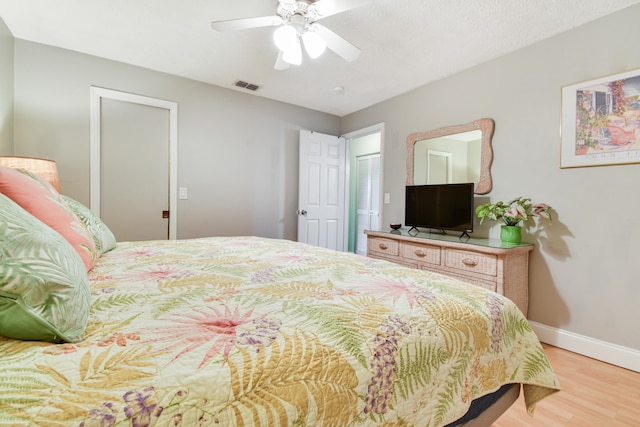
(594, 394)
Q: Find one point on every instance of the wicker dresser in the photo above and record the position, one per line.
(482, 262)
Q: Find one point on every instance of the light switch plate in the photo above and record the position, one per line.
(183, 193)
(387, 198)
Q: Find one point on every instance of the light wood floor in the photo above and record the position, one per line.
(594, 394)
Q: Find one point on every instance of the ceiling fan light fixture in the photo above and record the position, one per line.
(313, 44)
(285, 37)
(293, 55)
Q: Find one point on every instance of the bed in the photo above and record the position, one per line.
(245, 331)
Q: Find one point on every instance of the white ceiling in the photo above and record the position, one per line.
(405, 43)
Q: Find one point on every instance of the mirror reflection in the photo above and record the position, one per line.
(448, 159)
(453, 154)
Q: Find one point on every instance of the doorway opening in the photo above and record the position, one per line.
(365, 160)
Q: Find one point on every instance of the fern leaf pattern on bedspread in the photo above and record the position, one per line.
(263, 332)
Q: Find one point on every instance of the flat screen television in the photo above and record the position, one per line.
(440, 207)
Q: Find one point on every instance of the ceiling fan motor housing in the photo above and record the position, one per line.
(298, 13)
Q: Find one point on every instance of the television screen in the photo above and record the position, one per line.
(441, 207)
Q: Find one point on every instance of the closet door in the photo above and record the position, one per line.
(368, 193)
(134, 153)
(134, 170)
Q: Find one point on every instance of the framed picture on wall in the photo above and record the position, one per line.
(601, 121)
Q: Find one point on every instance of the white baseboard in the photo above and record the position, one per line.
(614, 354)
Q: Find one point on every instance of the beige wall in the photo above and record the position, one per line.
(585, 271)
(6, 90)
(237, 153)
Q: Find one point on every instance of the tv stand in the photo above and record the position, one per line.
(487, 263)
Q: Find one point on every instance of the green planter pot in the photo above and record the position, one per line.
(511, 234)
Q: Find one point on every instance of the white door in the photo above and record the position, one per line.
(368, 199)
(439, 170)
(321, 191)
(134, 164)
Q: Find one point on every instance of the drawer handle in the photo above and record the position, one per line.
(469, 262)
(383, 246)
(420, 253)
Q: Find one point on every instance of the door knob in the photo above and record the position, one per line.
(301, 212)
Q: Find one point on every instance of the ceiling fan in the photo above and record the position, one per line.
(297, 21)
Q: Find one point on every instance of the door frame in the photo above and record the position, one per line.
(96, 96)
(377, 128)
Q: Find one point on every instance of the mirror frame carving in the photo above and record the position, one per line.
(487, 127)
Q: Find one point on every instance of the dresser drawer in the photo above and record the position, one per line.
(379, 245)
(472, 262)
(424, 253)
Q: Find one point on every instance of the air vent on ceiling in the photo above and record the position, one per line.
(245, 85)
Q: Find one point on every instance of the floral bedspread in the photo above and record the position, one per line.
(252, 331)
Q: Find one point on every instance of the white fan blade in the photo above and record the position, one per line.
(243, 24)
(337, 44)
(331, 7)
(281, 64)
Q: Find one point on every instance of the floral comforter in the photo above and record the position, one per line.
(253, 331)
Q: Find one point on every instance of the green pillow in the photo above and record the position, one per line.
(102, 236)
(44, 289)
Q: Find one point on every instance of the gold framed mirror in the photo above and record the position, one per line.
(461, 153)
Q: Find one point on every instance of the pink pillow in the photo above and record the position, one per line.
(41, 200)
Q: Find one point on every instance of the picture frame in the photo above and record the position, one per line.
(601, 121)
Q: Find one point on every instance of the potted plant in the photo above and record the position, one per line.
(512, 213)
